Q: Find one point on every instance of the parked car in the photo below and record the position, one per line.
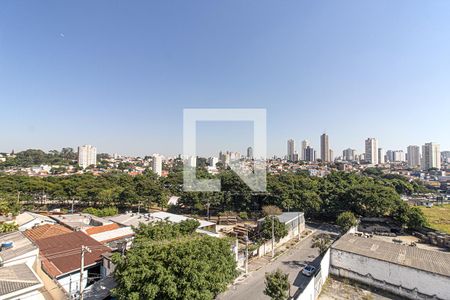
(309, 270)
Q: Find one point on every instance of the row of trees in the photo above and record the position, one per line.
(325, 198)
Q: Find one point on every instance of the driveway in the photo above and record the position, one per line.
(291, 262)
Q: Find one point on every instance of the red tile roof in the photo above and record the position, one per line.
(46, 231)
(103, 228)
(61, 254)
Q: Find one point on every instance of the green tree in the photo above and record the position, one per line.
(322, 242)
(416, 218)
(170, 261)
(280, 229)
(346, 220)
(277, 285)
(6, 227)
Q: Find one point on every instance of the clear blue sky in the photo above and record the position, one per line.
(117, 74)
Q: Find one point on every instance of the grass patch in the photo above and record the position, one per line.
(438, 217)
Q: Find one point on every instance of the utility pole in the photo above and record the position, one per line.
(298, 223)
(73, 200)
(273, 238)
(83, 250)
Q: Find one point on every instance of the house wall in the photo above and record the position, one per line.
(401, 280)
(71, 282)
(314, 287)
(52, 287)
(35, 222)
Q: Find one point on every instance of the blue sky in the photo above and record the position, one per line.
(117, 74)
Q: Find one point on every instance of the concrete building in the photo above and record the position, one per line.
(349, 154)
(413, 156)
(380, 156)
(304, 145)
(310, 154)
(191, 161)
(249, 153)
(390, 155)
(157, 164)
(324, 148)
(212, 161)
(431, 156)
(371, 155)
(87, 156)
(403, 270)
(399, 156)
(290, 149)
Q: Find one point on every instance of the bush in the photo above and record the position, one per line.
(346, 220)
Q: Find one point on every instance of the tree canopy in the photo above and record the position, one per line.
(171, 261)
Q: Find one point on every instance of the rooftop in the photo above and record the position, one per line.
(61, 253)
(80, 221)
(100, 229)
(28, 216)
(16, 278)
(133, 219)
(21, 245)
(46, 231)
(112, 235)
(437, 262)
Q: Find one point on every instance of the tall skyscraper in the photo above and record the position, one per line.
(87, 156)
(431, 156)
(413, 156)
(310, 154)
(290, 149)
(305, 143)
(380, 156)
(349, 154)
(371, 155)
(324, 148)
(399, 156)
(250, 153)
(157, 164)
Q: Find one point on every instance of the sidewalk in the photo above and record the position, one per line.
(258, 262)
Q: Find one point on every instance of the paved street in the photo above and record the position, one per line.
(291, 262)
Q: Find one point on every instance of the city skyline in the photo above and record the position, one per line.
(124, 87)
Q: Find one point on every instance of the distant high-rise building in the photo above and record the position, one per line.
(399, 156)
(445, 156)
(371, 155)
(390, 156)
(87, 156)
(331, 155)
(324, 148)
(310, 154)
(250, 153)
(413, 156)
(290, 149)
(380, 156)
(212, 161)
(349, 154)
(305, 143)
(191, 161)
(431, 156)
(157, 164)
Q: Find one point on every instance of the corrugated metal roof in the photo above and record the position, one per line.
(63, 252)
(427, 260)
(112, 235)
(21, 246)
(16, 278)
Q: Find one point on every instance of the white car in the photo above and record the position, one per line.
(309, 270)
